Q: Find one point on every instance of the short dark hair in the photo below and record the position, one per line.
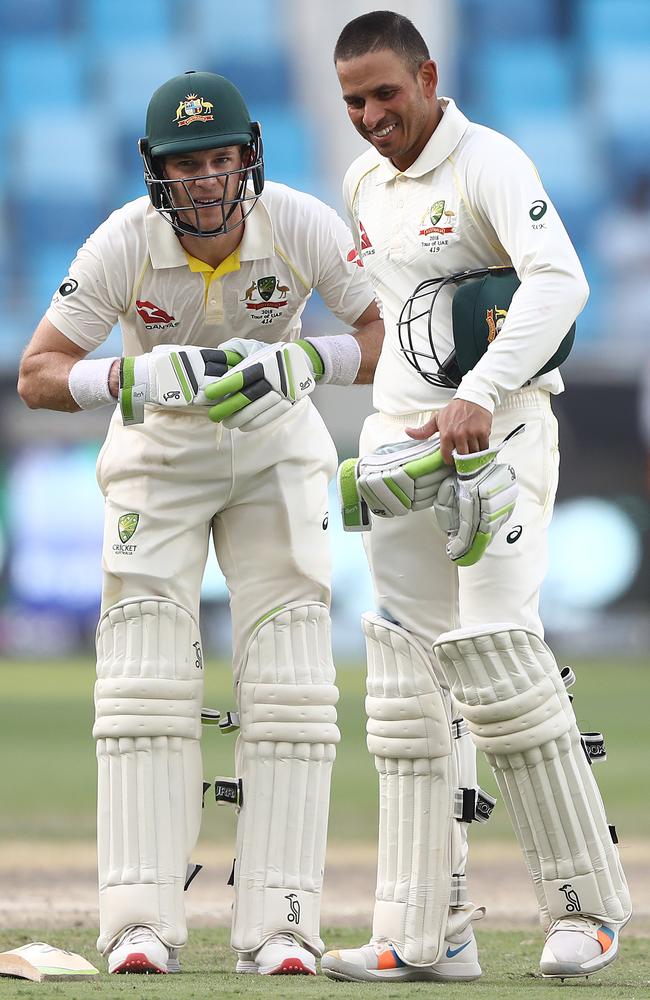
(379, 30)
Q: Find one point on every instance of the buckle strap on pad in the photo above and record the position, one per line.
(473, 804)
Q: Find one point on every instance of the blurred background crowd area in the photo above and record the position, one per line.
(566, 79)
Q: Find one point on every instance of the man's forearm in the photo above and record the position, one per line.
(370, 338)
(43, 382)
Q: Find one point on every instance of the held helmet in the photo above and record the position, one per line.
(478, 310)
(197, 111)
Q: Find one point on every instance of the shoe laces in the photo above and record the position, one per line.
(379, 945)
(139, 935)
(284, 939)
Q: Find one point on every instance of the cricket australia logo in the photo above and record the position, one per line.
(266, 298)
(437, 226)
(293, 916)
(126, 528)
(194, 109)
(572, 901)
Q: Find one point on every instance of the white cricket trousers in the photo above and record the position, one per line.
(418, 586)
(261, 494)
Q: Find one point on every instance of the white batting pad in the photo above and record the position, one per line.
(513, 697)
(285, 749)
(148, 700)
(409, 735)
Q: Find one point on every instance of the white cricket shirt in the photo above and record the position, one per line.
(472, 199)
(134, 270)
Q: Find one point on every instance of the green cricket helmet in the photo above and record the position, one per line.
(478, 310)
(192, 112)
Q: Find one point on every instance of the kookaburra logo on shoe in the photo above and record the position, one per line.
(573, 903)
(293, 916)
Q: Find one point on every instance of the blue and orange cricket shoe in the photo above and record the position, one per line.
(577, 946)
(379, 961)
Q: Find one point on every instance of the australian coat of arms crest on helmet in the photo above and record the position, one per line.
(194, 109)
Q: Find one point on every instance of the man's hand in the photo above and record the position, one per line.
(463, 426)
(262, 387)
(171, 375)
(472, 506)
(390, 482)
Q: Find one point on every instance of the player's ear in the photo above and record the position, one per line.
(428, 74)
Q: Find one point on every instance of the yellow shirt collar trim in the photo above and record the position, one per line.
(231, 263)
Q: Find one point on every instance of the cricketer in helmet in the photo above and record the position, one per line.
(199, 195)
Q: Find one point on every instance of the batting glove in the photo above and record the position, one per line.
(475, 504)
(390, 482)
(170, 375)
(263, 386)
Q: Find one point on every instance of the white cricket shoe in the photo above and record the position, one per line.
(577, 946)
(378, 961)
(281, 955)
(139, 949)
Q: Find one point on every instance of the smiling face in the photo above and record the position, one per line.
(204, 184)
(393, 109)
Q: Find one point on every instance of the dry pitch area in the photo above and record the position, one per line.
(53, 885)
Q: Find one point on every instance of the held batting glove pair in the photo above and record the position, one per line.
(471, 503)
(249, 382)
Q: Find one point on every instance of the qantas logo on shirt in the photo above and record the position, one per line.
(366, 245)
(354, 258)
(153, 317)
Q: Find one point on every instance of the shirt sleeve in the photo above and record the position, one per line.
(340, 279)
(507, 196)
(83, 308)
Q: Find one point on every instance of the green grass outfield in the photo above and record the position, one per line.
(47, 778)
(509, 961)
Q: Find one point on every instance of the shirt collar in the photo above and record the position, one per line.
(165, 249)
(442, 143)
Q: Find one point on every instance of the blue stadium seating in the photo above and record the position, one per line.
(255, 29)
(111, 22)
(43, 74)
(603, 24)
(522, 76)
(32, 18)
(69, 157)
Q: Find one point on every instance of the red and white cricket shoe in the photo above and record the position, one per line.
(138, 950)
(281, 955)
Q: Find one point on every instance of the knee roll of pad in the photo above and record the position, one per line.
(512, 695)
(148, 699)
(286, 746)
(410, 736)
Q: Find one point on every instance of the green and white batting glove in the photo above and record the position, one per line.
(390, 482)
(171, 375)
(264, 386)
(473, 505)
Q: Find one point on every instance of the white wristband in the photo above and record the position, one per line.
(88, 383)
(341, 356)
